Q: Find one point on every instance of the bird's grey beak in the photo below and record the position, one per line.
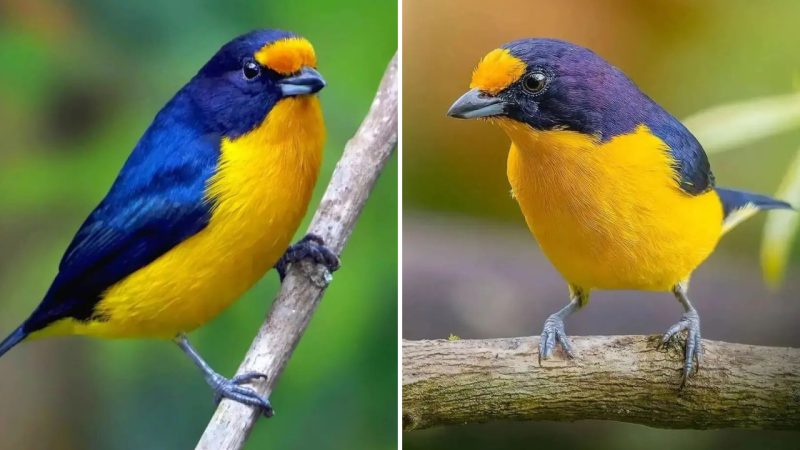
(307, 81)
(476, 104)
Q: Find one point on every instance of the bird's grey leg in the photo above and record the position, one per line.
(553, 332)
(224, 387)
(690, 321)
(310, 247)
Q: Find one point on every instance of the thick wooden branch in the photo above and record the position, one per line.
(622, 378)
(352, 181)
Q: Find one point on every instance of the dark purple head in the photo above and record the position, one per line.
(554, 85)
(243, 81)
(551, 84)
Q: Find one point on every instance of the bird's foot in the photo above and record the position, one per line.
(552, 335)
(693, 348)
(311, 247)
(233, 389)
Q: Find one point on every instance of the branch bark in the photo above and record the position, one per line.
(352, 181)
(621, 378)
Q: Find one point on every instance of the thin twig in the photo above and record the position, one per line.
(352, 181)
(621, 378)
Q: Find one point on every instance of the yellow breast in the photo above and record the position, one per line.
(261, 191)
(610, 215)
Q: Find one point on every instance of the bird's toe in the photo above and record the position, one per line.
(312, 248)
(248, 377)
(553, 335)
(232, 389)
(692, 346)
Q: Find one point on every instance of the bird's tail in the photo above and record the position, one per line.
(13, 339)
(740, 205)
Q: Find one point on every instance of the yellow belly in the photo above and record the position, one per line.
(261, 191)
(610, 215)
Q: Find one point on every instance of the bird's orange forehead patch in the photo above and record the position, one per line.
(497, 71)
(287, 56)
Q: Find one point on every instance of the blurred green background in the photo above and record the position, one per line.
(471, 268)
(79, 83)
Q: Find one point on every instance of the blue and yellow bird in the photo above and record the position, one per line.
(618, 193)
(206, 203)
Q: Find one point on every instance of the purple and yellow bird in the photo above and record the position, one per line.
(618, 193)
(207, 202)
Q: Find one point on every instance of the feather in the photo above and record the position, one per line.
(156, 202)
(739, 206)
(13, 339)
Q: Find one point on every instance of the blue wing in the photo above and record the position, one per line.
(691, 161)
(156, 202)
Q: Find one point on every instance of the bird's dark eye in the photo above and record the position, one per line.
(535, 82)
(251, 69)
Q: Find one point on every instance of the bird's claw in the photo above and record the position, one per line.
(232, 389)
(248, 377)
(310, 247)
(693, 348)
(552, 335)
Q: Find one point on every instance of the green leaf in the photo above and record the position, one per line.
(781, 228)
(733, 125)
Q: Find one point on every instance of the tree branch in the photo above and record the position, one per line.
(622, 378)
(352, 181)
